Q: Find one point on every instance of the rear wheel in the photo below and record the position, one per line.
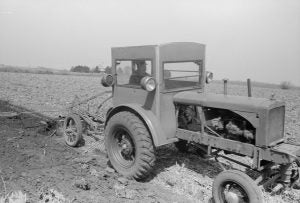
(233, 186)
(129, 145)
(72, 130)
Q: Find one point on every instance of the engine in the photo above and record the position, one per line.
(222, 122)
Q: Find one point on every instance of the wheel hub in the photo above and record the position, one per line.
(71, 133)
(234, 194)
(231, 197)
(126, 146)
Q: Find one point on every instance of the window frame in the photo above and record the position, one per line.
(131, 60)
(200, 74)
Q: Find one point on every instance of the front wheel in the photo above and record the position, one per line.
(234, 186)
(129, 145)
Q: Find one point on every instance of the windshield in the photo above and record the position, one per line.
(182, 74)
(131, 72)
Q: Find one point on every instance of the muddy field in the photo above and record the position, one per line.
(39, 164)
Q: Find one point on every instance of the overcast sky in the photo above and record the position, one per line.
(259, 39)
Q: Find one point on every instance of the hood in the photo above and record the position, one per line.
(238, 103)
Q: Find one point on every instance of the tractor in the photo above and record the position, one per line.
(159, 97)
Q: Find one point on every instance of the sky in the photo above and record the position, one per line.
(257, 39)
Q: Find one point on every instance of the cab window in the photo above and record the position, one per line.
(179, 75)
(131, 72)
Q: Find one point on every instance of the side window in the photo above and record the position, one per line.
(181, 74)
(130, 72)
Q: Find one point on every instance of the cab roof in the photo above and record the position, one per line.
(174, 51)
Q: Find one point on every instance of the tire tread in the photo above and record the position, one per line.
(146, 157)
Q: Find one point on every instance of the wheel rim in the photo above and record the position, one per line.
(71, 131)
(123, 147)
(231, 192)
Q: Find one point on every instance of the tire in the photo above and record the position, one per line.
(72, 130)
(182, 146)
(235, 185)
(129, 145)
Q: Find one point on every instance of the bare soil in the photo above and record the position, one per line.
(36, 163)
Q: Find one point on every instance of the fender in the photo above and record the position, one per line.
(147, 117)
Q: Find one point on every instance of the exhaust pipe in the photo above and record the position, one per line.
(249, 87)
(225, 86)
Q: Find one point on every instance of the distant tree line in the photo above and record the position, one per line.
(80, 69)
(120, 71)
(86, 69)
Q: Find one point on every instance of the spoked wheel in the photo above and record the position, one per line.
(72, 130)
(234, 186)
(129, 145)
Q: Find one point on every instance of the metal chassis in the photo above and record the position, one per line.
(236, 147)
(273, 158)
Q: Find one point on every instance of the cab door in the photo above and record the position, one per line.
(127, 88)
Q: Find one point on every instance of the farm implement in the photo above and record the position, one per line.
(81, 119)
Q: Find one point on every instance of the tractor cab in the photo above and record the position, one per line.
(149, 76)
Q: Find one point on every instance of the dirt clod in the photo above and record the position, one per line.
(123, 192)
(123, 181)
(109, 170)
(51, 195)
(82, 183)
(85, 160)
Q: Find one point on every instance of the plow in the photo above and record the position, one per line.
(81, 120)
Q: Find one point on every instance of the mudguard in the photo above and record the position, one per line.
(148, 118)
